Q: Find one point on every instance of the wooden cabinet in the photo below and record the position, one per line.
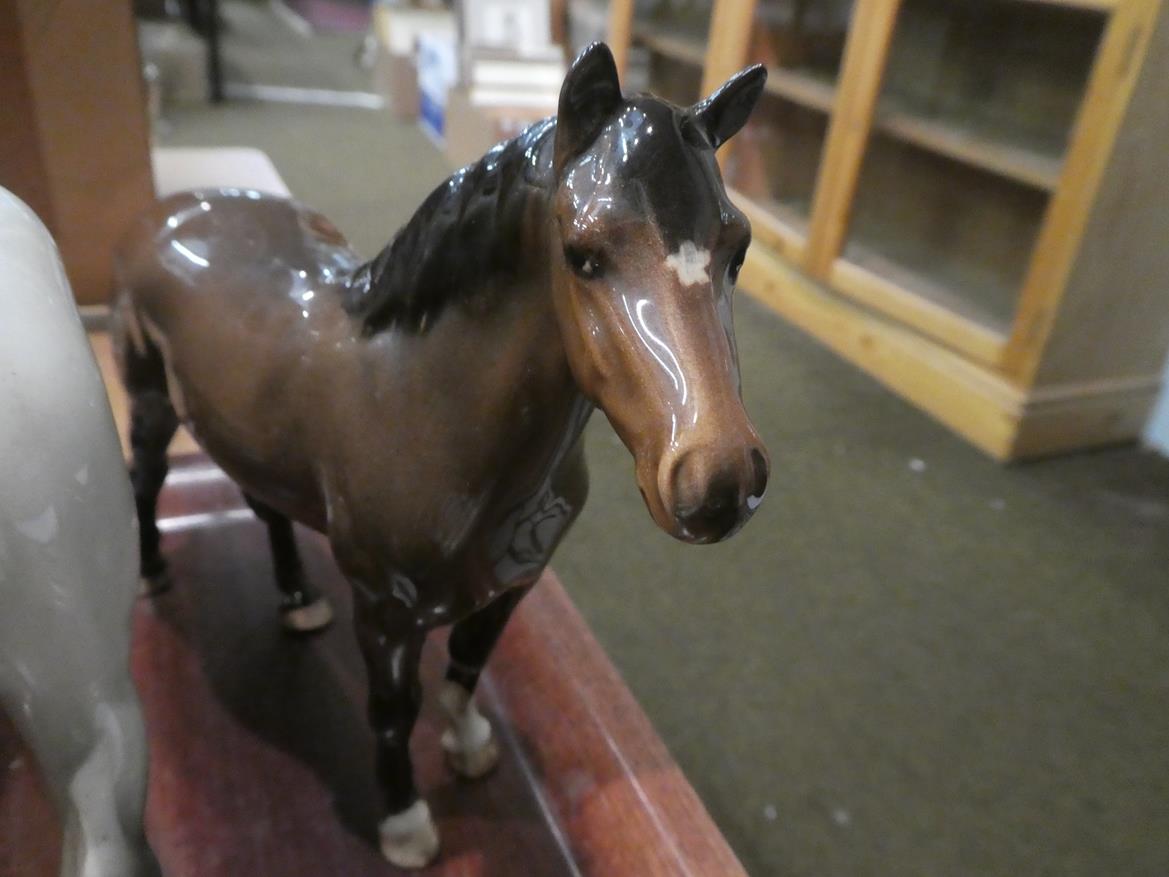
(674, 39)
(966, 198)
(74, 135)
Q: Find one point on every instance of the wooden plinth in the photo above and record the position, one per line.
(261, 759)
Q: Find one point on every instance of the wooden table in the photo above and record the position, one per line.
(261, 760)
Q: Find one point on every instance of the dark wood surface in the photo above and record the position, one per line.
(261, 756)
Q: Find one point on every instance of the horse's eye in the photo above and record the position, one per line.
(584, 264)
(736, 264)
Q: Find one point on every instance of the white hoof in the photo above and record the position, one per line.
(151, 586)
(473, 764)
(305, 619)
(471, 750)
(409, 839)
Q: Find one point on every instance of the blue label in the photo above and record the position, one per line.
(432, 115)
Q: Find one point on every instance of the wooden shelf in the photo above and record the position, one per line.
(801, 87)
(936, 306)
(673, 44)
(970, 146)
(970, 400)
(926, 303)
(1021, 163)
(1098, 5)
(780, 226)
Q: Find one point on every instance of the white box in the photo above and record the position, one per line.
(521, 26)
(399, 27)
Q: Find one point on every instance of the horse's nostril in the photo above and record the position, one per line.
(759, 462)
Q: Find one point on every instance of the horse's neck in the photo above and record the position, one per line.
(478, 234)
(520, 360)
(476, 253)
(534, 380)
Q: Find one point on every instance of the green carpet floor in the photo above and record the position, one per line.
(913, 661)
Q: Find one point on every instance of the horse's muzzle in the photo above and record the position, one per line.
(711, 495)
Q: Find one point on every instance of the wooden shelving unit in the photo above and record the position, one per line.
(965, 199)
(802, 88)
(674, 43)
(972, 146)
(679, 46)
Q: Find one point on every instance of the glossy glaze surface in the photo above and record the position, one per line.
(424, 410)
(68, 566)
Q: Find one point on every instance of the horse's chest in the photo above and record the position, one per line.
(520, 542)
(521, 537)
(462, 548)
(513, 541)
(509, 548)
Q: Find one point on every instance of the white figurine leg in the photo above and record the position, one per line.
(410, 839)
(91, 746)
(469, 743)
(103, 820)
(470, 746)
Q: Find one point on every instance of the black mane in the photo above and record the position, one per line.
(466, 230)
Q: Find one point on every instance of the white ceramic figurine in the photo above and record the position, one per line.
(68, 562)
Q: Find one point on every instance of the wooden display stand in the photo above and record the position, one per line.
(262, 759)
(967, 200)
(74, 140)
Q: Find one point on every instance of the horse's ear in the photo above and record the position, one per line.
(589, 96)
(722, 114)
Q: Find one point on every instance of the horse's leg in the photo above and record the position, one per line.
(88, 737)
(391, 644)
(303, 608)
(107, 794)
(470, 746)
(152, 425)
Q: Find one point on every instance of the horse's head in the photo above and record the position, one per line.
(646, 250)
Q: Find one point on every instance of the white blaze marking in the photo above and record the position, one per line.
(690, 264)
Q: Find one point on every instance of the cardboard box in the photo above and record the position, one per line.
(74, 141)
(397, 29)
(472, 130)
(396, 79)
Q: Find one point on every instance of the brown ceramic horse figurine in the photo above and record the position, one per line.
(424, 410)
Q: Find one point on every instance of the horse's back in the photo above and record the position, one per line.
(237, 241)
(230, 303)
(230, 281)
